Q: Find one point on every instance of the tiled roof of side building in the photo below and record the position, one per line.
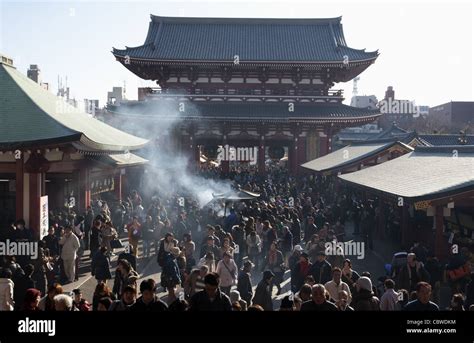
(424, 174)
(350, 155)
(268, 111)
(437, 140)
(253, 40)
(33, 116)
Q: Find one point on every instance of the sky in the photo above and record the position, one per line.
(426, 47)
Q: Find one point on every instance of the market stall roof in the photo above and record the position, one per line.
(32, 117)
(352, 155)
(236, 195)
(425, 174)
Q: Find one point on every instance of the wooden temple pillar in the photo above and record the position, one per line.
(261, 156)
(225, 165)
(118, 185)
(191, 148)
(19, 185)
(294, 150)
(405, 241)
(329, 132)
(439, 245)
(36, 166)
(381, 220)
(84, 189)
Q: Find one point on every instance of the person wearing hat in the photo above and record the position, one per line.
(210, 246)
(321, 269)
(235, 298)
(365, 300)
(211, 299)
(244, 282)
(211, 231)
(299, 272)
(263, 293)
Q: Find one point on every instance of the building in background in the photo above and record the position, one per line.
(364, 101)
(401, 112)
(91, 106)
(34, 73)
(454, 115)
(116, 96)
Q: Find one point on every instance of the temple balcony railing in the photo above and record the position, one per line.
(333, 96)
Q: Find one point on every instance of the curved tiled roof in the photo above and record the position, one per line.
(243, 111)
(33, 116)
(253, 40)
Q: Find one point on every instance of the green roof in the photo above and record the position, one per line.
(32, 116)
(252, 39)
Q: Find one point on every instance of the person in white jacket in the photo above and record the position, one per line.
(227, 270)
(70, 245)
(336, 285)
(6, 290)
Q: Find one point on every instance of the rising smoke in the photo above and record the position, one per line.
(168, 170)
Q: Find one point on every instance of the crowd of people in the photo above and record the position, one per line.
(209, 256)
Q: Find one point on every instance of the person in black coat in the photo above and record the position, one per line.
(100, 266)
(95, 237)
(318, 301)
(310, 229)
(128, 255)
(52, 242)
(244, 282)
(263, 293)
(295, 229)
(23, 281)
(321, 269)
(211, 298)
(469, 293)
(88, 221)
(422, 303)
(210, 247)
(149, 301)
(299, 272)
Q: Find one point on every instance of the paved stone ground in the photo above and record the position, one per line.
(373, 261)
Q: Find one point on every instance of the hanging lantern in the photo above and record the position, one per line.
(276, 152)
